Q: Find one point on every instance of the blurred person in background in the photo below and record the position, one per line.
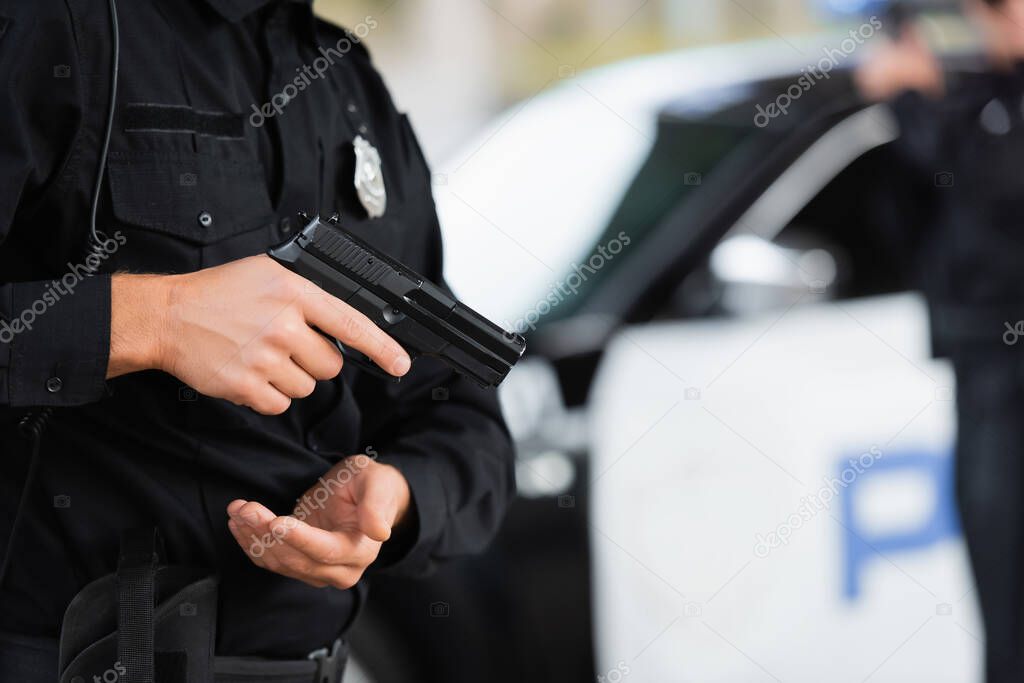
(956, 204)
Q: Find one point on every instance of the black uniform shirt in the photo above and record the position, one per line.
(232, 116)
(958, 194)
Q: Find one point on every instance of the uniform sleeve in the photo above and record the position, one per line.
(458, 460)
(902, 198)
(447, 437)
(54, 326)
(443, 432)
(920, 122)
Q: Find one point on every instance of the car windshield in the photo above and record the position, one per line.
(682, 158)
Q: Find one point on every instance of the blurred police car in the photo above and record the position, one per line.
(718, 340)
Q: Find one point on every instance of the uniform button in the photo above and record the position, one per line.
(286, 225)
(352, 108)
(54, 384)
(205, 219)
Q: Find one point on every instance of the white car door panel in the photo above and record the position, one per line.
(772, 500)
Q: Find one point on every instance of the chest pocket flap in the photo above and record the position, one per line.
(199, 198)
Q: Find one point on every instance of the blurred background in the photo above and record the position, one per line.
(454, 65)
(734, 443)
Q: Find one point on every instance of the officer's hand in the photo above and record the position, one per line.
(336, 530)
(896, 67)
(242, 331)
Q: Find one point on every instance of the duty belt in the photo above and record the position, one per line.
(34, 660)
(321, 666)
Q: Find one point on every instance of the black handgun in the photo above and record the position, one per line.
(416, 313)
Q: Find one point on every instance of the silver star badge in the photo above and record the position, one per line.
(369, 180)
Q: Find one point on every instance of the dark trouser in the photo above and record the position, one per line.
(990, 494)
(32, 660)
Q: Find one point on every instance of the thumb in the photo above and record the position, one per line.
(374, 511)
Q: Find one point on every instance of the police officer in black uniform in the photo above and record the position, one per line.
(157, 371)
(957, 200)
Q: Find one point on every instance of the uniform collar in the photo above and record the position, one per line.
(236, 10)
